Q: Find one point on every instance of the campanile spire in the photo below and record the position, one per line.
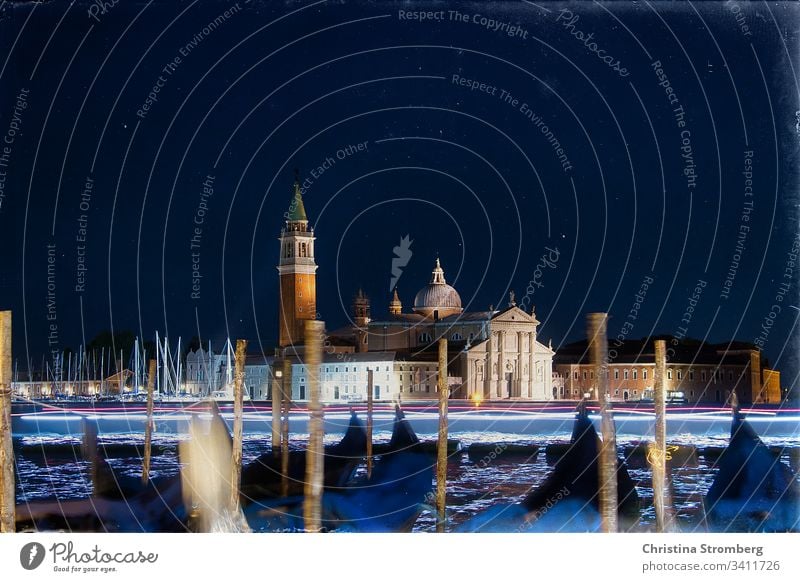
(297, 272)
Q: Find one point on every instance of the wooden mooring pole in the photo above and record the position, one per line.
(277, 403)
(596, 329)
(370, 406)
(238, 422)
(657, 455)
(286, 395)
(315, 469)
(90, 451)
(148, 427)
(7, 499)
(441, 447)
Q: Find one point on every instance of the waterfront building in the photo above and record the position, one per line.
(493, 354)
(695, 372)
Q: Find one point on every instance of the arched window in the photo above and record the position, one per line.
(457, 336)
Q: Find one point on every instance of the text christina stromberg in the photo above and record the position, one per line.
(701, 549)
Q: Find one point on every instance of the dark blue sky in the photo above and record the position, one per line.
(468, 174)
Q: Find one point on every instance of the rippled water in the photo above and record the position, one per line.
(472, 486)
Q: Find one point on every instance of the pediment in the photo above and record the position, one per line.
(514, 314)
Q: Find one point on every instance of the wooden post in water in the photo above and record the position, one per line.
(90, 451)
(7, 499)
(657, 455)
(596, 324)
(441, 448)
(277, 403)
(238, 422)
(370, 380)
(148, 427)
(286, 395)
(312, 504)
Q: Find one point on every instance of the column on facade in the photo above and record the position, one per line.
(501, 368)
(487, 372)
(531, 365)
(518, 381)
(548, 378)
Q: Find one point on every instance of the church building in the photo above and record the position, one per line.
(492, 354)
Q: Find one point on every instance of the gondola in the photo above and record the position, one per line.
(155, 507)
(753, 490)
(568, 500)
(390, 501)
(119, 503)
(262, 477)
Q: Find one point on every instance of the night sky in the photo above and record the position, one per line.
(644, 150)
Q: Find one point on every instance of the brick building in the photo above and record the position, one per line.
(696, 372)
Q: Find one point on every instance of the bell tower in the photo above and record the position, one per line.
(361, 318)
(297, 271)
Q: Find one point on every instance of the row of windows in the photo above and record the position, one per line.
(575, 392)
(425, 337)
(355, 369)
(303, 250)
(716, 375)
(635, 392)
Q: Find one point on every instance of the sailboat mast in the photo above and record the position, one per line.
(158, 363)
(136, 366)
(208, 367)
(228, 370)
(179, 370)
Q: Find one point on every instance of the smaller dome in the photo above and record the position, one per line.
(437, 296)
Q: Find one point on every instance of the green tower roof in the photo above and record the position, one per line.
(297, 210)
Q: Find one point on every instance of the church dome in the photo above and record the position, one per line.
(437, 296)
